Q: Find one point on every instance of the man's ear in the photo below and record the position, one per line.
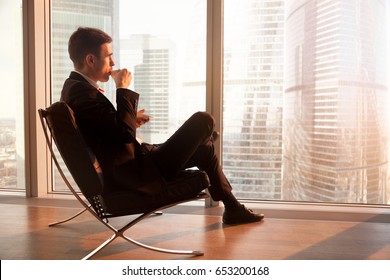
(90, 59)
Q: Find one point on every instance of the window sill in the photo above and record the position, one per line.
(274, 210)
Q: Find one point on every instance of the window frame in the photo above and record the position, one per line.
(36, 52)
(37, 93)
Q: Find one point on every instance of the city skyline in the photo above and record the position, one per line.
(153, 66)
(281, 93)
(335, 133)
(253, 98)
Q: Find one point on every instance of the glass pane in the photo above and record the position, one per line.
(12, 172)
(253, 97)
(336, 95)
(306, 92)
(164, 48)
(163, 43)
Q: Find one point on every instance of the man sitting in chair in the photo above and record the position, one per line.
(111, 133)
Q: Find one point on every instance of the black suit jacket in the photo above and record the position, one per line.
(111, 134)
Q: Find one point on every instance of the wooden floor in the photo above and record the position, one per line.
(24, 234)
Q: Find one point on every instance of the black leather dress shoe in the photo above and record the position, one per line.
(240, 215)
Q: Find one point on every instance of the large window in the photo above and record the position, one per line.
(12, 175)
(305, 87)
(306, 92)
(163, 48)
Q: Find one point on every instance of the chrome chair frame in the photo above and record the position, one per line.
(104, 217)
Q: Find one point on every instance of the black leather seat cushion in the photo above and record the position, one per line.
(185, 186)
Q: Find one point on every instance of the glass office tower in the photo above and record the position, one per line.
(253, 97)
(152, 60)
(336, 94)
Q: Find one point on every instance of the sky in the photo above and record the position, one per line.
(11, 70)
(135, 17)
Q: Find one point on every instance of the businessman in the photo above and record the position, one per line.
(111, 132)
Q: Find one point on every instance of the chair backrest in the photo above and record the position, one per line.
(78, 157)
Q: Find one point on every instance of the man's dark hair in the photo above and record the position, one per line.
(86, 40)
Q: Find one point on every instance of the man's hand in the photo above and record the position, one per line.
(142, 118)
(122, 78)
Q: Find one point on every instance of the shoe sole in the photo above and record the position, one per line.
(242, 222)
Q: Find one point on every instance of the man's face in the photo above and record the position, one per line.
(104, 63)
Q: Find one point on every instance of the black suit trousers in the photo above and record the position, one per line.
(192, 146)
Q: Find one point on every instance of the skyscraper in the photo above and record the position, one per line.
(253, 97)
(335, 119)
(154, 79)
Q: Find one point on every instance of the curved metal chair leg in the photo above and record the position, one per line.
(163, 250)
(98, 249)
(153, 248)
(120, 233)
(68, 219)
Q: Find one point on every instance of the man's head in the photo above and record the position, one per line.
(90, 51)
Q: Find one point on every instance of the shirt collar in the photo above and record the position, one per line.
(89, 80)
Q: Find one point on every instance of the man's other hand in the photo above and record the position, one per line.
(142, 118)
